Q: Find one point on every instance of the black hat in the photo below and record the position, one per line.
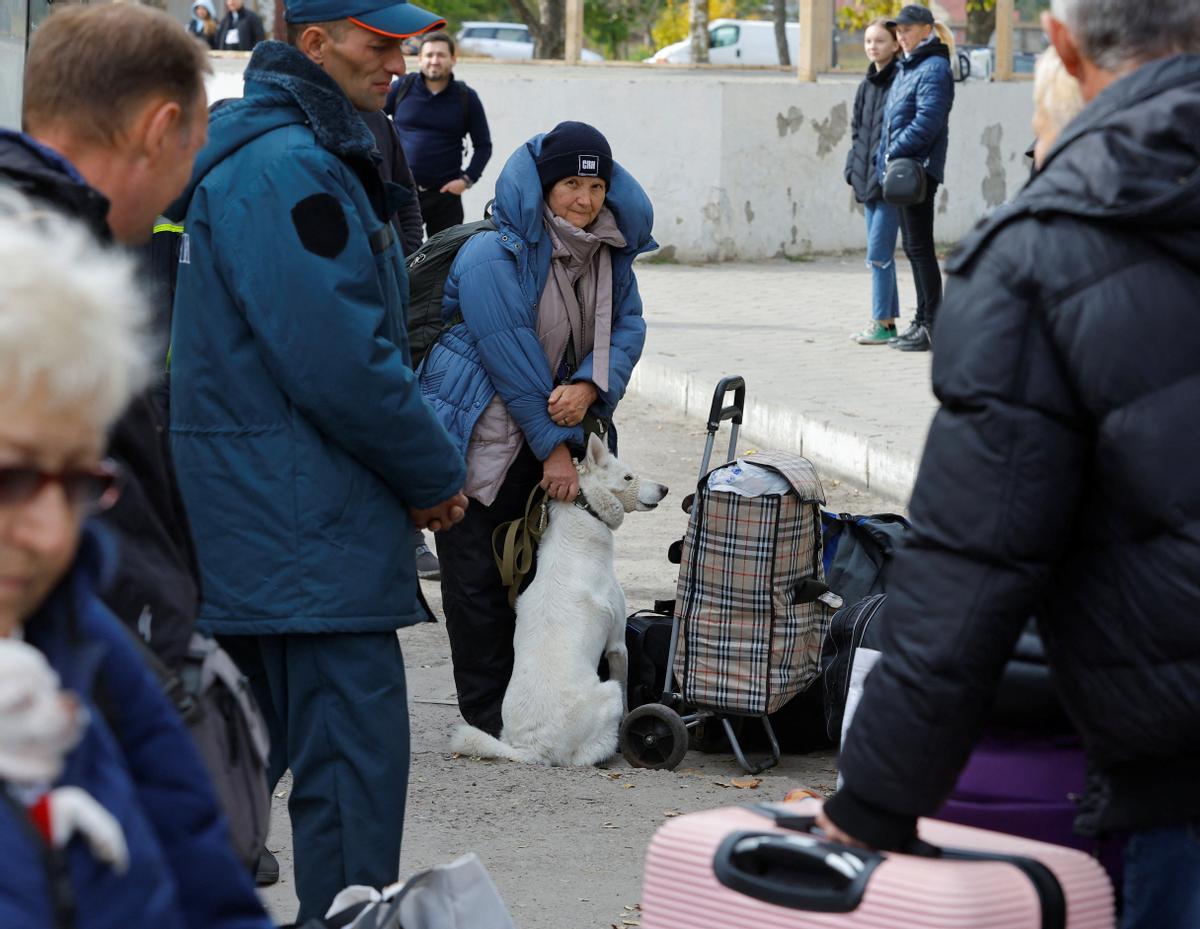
(572, 148)
(913, 15)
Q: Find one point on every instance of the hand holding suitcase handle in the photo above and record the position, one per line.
(809, 872)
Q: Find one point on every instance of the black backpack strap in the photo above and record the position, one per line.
(398, 92)
(466, 106)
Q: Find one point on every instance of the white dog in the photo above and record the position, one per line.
(39, 725)
(556, 710)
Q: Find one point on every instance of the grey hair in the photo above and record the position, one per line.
(73, 319)
(1116, 33)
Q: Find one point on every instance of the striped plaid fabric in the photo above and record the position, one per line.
(746, 646)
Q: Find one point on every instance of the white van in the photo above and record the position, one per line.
(507, 41)
(736, 42)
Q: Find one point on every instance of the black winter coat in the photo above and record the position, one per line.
(394, 169)
(249, 31)
(865, 129)
(1060, 478)
(155, 587)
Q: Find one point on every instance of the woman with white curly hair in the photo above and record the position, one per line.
(72, 354)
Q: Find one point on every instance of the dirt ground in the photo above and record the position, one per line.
(565, 846)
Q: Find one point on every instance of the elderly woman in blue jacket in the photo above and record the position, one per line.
(154, 849)
(916, 124)
(551, 329)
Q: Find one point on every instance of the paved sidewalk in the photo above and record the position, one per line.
(859, 411)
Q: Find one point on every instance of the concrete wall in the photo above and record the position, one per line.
(739, 166)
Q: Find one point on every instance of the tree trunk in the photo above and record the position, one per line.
(698, 21)
(780, 16)
(553, 43)
(547, 24)
(980, 26)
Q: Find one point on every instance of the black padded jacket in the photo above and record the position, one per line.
(1060, 478)
(865, 128)
(155, 586)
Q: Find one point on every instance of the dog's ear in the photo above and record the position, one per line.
(596, 451)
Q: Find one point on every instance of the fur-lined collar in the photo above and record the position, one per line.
(332, 116)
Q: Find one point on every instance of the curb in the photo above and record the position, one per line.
(869, 460)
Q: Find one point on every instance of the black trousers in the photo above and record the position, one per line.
(916, 222)
(440, 211)
(479, 620)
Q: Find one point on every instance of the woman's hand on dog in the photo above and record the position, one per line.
(442, 516)
(569, 402)
(560, 480)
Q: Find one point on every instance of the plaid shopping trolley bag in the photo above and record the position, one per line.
(749, 599)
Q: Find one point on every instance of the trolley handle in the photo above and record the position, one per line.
(719, 412)
(797, 872)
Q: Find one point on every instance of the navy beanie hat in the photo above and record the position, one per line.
(570, 149)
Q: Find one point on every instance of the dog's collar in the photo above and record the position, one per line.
(581, 501)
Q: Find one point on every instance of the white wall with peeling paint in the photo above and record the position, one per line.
(740, 166)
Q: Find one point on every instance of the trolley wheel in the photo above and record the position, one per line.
(709, 735)
(653, 736)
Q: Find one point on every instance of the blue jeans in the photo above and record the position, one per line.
(1162, 878)
(883, 221)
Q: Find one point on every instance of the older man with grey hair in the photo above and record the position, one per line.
(1059, 480)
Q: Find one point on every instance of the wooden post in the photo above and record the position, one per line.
(1004, 40)
(574, 31)
(816, 38)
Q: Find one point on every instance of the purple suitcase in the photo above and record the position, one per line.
(1028, 784)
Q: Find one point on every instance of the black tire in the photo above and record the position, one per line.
(653, 736)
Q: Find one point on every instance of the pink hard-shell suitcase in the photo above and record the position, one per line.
(762, 867)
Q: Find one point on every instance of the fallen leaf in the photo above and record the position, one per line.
(670, 813)
(800, 793)
(280, 795)
(609, 826)
(610, 775)
(745, 783)
(630, 922)
(629, 786)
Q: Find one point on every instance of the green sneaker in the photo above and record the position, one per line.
(875, 334)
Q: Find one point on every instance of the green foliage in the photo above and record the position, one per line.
(864, 12)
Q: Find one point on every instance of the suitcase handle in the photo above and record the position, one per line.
(1049, 890)
(801, 872)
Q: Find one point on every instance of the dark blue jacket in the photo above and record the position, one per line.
(144, 770)
(497, 281)
(299, 431)
(916, 117)
(433, 126)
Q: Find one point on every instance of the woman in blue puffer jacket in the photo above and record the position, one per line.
(916, 124)
(551, 330)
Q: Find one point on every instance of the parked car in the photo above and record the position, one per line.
(735, 42)
(507, 41)
(981, 62)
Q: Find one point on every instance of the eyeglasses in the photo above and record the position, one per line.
(92, 489)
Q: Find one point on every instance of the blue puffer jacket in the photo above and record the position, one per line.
(497, 281)
(916, 117)
(144, 770)
(299, 432)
